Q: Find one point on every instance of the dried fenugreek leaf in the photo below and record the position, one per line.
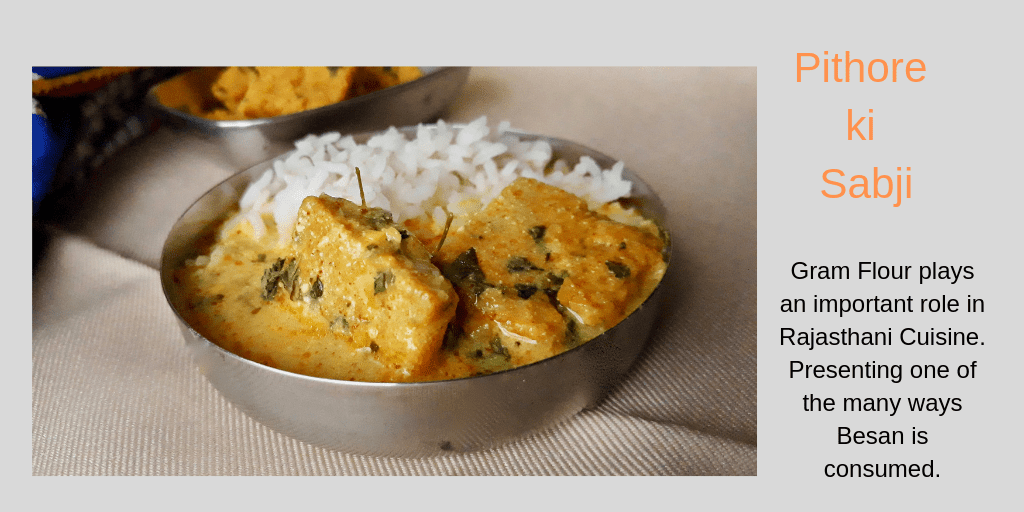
(382, 281)
(465, 272)
(617, 269)
(520, 264)
(451, 336)
(340, 322)
(317, 289)
(378, 219)
(555, 280)
(552, 283)
(271, 277)
(525, 291)
(290, 280)
(572, 334)
(537, 233)
(498, 349)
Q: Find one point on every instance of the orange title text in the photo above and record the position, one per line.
(860, 125)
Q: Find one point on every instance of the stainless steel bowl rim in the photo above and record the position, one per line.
(249, 123)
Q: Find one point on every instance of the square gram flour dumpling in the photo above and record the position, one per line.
(375, 282)
(538, 272)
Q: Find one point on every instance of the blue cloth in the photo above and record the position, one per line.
(48, 140)
(56, 71)
(47, 148)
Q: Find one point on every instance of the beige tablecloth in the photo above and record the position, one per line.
(114, 391)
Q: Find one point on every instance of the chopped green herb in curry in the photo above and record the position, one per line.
(534, 273)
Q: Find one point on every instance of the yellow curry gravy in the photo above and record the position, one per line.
(355, 296)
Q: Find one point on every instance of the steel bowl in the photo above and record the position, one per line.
(415, 419)
(244, 143)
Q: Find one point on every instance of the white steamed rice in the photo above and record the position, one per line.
(443, 169)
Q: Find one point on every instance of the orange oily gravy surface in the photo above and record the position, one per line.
(358, 297)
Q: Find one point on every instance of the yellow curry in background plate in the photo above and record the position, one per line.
(236, 93)
(355, 296)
